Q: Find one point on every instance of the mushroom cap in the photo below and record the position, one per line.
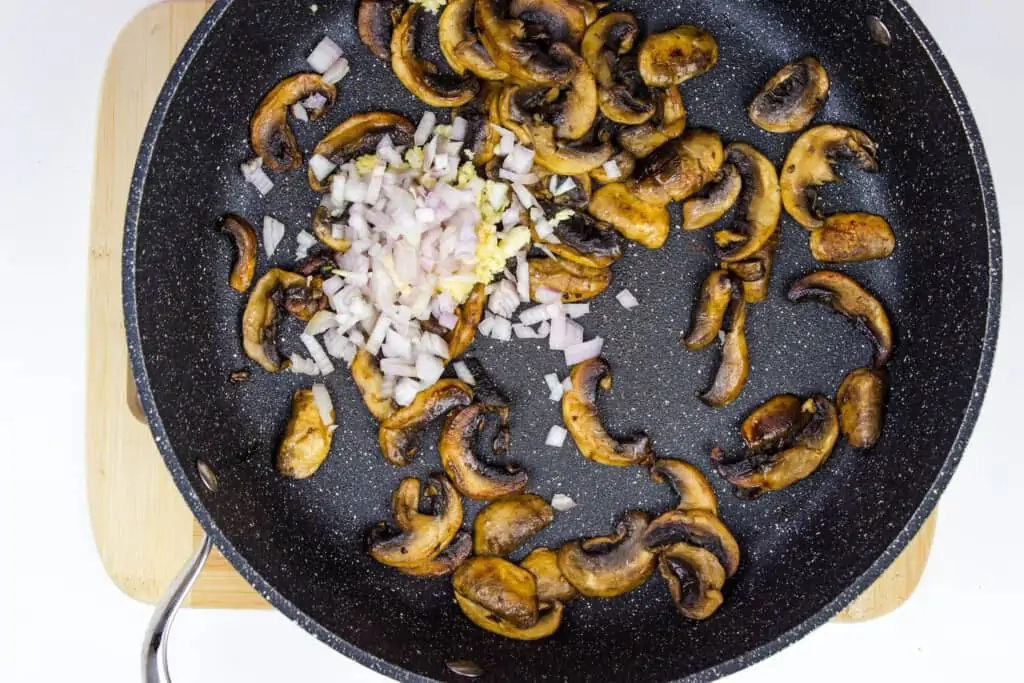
(791, 99)
(419, 75)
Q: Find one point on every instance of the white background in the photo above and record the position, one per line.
(63, 620)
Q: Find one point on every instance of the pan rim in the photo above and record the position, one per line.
(752, 656)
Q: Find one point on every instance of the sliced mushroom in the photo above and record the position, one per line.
(792, 98)
(672, 57)
(307, 440)
(575, 282)
(774, 469)
(505, 524)
(851, 237)
(426, 520)
(370, 382)
(810, 163)
(861, 403)
(259, 321)
(304, 300)
(716, 292)
(551, 584)
(500, 587)
(586, 241)
(244, 238)
(669, 122)
(399, 434)
(517, 104)
(446, 562)
(734, 365)
(774, 421)
(759, 201)
(607, 566)
(845, 295)
(460, 44)
(481, 137)
(420, 76)
(575, 110)
(692, 487)
(512, 50)
(563, 157)
(695, 578)
(755, 273)
(718, 197)
(636, 220)
(698, 528)
(271, 137)
(583, 421)
(472, 476)
(624, 97)
(323, 230)
(678, 169)
(470, 313)
(577, 198)
(549, 620)
(553, 21)
(376, 20)
(358, 135)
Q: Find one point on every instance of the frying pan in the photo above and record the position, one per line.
(807, 550)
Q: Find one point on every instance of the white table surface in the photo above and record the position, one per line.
(63, 620)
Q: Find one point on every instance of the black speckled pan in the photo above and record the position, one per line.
(807, 551)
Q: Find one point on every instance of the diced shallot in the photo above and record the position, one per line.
(425, 128)
(273, 233)
(324, 55)
(321, 166)
(323, 362)
(459, 128)
(323, 402)
(254, 174)
(462, 372)
(611, 169)
(562, 502)
(300, 113)
(303, 366)
(522, 277)
(406, 390)
(577, 310)
(556, 436)
(584, 351)
(626, 298)
(337, 72)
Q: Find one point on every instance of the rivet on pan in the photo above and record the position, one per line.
(207, 475)
(465, 667)
(879, 31)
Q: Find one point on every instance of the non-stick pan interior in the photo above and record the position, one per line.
(301, 542)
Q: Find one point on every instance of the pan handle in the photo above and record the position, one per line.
(154, 649)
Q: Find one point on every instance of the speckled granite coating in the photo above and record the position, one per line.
(807, 551)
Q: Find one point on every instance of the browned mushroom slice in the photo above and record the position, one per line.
(774, 421)
(734, 365)
(576, 198)
(672, 57)
(512, 50)
(505, 524)
(516, 104)
(565, 157)
(259, 321)
(571, 110)
(861, 403)
(607, 566)
(636, 220)
(574, 281)
(851, 237)
(845, 295)
(323, 230)
(358, 135)
(472, 476)
(399, 434)
(304, 300)
(678, 169)
(709, 314)
(692, 487)
(574, 112)
(698, 528)
(760, 204)
(774, 469)
(716, 200)
(460, 44)
(307, 440)
(755, 273)
(624, 97)
(481, 137)
(792, 98)
(271, 137)
(583, 421)
(551, 584)
(419, 75)
(499, 587)
(426, 520)
(810, 163)
(244, 238)
(586, 241)
(370, 382)
(376, 20)
(446, 562)
(669, 122)
(549, 620)
(558, 21)
(470, 313)
(695, 578)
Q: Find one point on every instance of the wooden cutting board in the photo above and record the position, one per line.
(144, 531)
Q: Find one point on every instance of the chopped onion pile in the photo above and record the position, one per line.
(556, 436)
(562, 502)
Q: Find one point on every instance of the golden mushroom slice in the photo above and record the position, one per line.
(574, 281)
(507, 523)
(508, 44)
(376, 21)
(244, 238)
(501, 588)
(420, 76)
(460, 44)
(634, 219)
(774, 421)
(472, 476)
(851, 237)
(845, 295)
(669, 122)
(583, 421)
(699, 528)
(734, 364)
(760, 202)
(549, 620)
(551, 585)
(324, 228)
(709, 314)
(695, 578)
(399, 434)
(566, 157)
(370, 382)
(571, 109)
(678, 169)
(861, 403)
(715, 199)
(417, 537)
(585, 241)
(672, 57)
(810, 163)
(358, 135)
(755, 272)
(446, 562)
(259, 320)
(754, 473)
(307, 440)
(269, 132)
(576, 107)
(623, 96)
(608, 566)
(689, 483)
(560, 21)
(470, 313)
(792, 98)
